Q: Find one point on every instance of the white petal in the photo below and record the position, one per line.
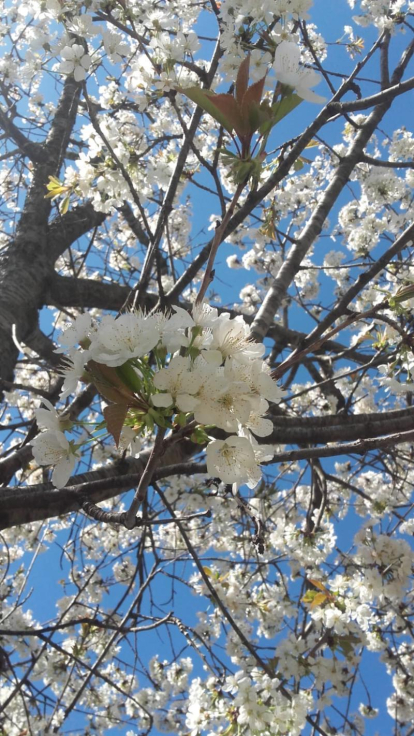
(255, 476)
(162, 400)
(261, 426)
(86, 61)
(161, 379)
(79, 74)
(213, 357)
(66, 67)
(310, 96)
(63, 471)
(287, 55)
(185, 402)
(67, 53)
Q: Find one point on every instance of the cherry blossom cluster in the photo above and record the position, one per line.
(168, 370)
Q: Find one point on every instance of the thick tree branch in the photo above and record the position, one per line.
(66, 229)
(361, 447)
(134, 224)
(26, 265)
(384, 97)
(68, 291)
(21, 505)
(36, 502)
(387, 164)
(28, 148)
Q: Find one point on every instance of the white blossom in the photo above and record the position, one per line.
(179, 384)
(233, 461)
(75, 61)
(129, 336)
(288, 71)
(53, 448)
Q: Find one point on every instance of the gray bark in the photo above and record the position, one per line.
(26, 265)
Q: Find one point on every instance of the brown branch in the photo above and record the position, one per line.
(68, 291)
(67, 229)
(26, 264)
(217, 240)
(358, 448)
(387, 164)
(28, 148)
(42, 501)
(134, 224)
(380, 98)
(129, 520)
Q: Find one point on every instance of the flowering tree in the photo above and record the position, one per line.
(210, 432)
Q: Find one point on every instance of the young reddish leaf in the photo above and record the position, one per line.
(206, 100)
(253, 95)
(242, 80)
(229, 109)
(109, 384)
(249, 107)
(114, 417)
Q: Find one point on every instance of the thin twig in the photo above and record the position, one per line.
(157, 450)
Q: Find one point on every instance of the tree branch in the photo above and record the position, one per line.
(66, 229)
(358, 448)
(28, 148)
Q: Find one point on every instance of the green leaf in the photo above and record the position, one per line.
(347, 643)
(227, 152)
(285, 106)
(317, 583)
(199, 436)
(403, 294)
(54, 181)
(64, 206)
(280, 110)
(129, 376)
(318, 599)
(181, 419)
